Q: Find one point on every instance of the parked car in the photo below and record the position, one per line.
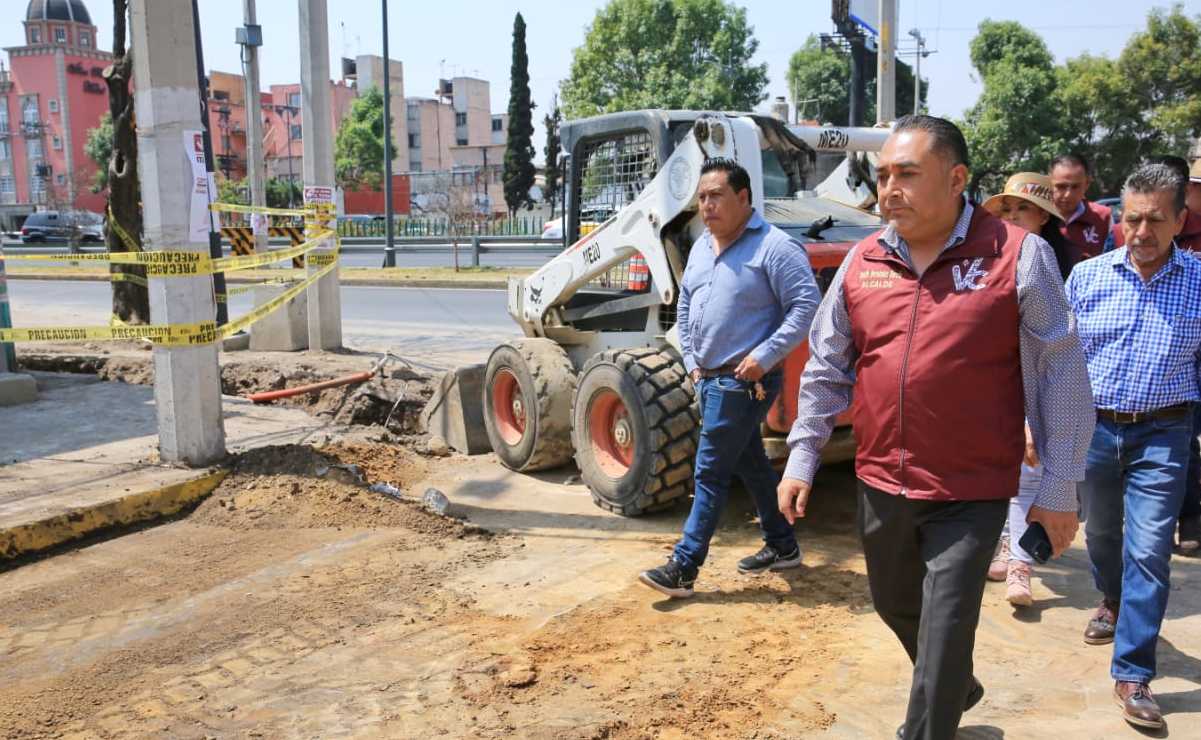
(62, 226)
(1115, 207)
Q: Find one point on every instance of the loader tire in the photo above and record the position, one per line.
(528, 386)
(635, 428)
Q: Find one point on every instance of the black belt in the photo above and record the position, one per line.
(1136, 417)
(727, 369)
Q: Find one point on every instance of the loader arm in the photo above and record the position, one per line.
(638, 227)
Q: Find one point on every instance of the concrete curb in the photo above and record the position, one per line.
(366, 282)
(24, 539)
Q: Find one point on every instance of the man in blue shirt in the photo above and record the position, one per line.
(747, 298)
(1138, 312)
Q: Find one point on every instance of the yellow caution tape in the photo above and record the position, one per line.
(242, 322)
(246, 262)
(239, 290)
(172, 335)
(236, 208)
(157, 264)
(130, 243)
(321, 259)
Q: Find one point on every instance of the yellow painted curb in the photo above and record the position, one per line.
(129, 509)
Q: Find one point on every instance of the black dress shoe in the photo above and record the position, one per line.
(1138, 705)
(974, 695)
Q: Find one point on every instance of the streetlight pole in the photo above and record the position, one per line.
(214, 236)
(388, 210)
(917, 69)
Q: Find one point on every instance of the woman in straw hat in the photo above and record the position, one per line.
(1025, 202)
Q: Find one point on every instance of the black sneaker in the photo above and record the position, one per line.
(768, 559)
(670, 579)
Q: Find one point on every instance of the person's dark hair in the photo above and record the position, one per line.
(948, 139)
(1178, 165)
(1152, 178)
(1072, 159)
(736, 174)
(1064, 254)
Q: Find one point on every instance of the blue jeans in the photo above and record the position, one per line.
(1133, 487)
(730, 445)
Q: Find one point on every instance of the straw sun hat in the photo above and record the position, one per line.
(1029, 186)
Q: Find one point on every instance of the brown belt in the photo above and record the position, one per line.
(1136, 417)
(727, 369)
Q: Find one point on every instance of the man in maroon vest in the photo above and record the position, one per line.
(1085, 225)
(947, 329)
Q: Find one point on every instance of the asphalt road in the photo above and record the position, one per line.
(438, 326)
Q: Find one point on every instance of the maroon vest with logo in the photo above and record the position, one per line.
(938, 406)
(1087, 234)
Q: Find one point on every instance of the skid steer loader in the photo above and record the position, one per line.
(598, 376)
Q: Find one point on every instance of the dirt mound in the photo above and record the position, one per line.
(298, 487)
(393, 399)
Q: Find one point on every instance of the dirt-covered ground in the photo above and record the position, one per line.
(296, 602)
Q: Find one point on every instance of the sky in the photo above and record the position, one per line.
(460, 37)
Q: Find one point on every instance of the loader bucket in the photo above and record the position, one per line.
(456, 411)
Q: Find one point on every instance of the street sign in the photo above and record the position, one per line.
(318, 195)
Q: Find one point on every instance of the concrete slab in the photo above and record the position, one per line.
(17, 388)
(86, 444)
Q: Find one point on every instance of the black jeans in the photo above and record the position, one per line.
(926, 565)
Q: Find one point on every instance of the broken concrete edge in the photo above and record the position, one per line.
(345, 280)
(132, 508)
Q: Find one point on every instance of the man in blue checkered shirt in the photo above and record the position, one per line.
(1138, 313)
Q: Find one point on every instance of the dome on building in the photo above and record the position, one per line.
(58, 10)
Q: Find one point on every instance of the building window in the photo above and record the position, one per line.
(60, 179)
(460, 119)
(226, 144)
(413, 112)
(52, 105)
(33, 147)
(85, 39)
(56, 142)
(498, 124)
(414, 141)
(8, 185)
(6, 149)
(3, 116)
(60, 35)
(461, 142)
(416, 167)
(35, 35)
(29, 111)
(296, 131)
(294, 100)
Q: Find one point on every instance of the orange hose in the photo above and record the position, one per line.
(269, 396)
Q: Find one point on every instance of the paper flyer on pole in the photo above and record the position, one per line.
(200, 220)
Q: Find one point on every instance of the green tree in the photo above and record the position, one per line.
(1015, 124)
(238, 192)
(552, 175)
(519, 153)
(359, 146)
(819, 82)
(687, 54)
(99, 148)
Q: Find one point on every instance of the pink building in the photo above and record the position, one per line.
(283, 134)
(51, 95)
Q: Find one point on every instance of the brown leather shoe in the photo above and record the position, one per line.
(1100, 628)
(1138, 705)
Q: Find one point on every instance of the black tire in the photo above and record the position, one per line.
(652, 470)
(541, 373)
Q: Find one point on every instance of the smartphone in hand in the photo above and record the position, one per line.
(1037, 543)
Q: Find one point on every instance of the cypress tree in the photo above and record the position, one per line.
(519, 151)
(552, 175)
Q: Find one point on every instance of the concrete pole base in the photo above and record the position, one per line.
(285, 329)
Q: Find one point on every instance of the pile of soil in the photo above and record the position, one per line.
(298, 487)
(393, 399)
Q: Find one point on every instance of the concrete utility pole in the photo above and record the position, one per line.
(251, 37)
(325, 301)
(886, 63)
(187, 382)
(388, 210)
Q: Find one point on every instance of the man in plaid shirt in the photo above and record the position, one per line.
(1138, 312)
